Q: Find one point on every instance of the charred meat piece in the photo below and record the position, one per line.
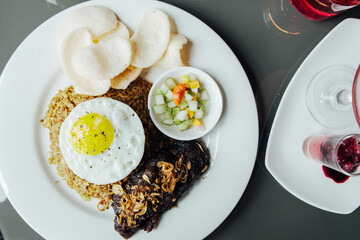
(156, 186)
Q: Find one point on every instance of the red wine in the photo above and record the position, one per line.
(318, 10)
(336, 176)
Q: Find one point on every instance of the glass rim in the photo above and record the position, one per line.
(354, 94)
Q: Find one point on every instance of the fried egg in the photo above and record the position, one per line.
(102, 140)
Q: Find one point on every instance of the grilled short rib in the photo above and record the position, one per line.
(155, 187)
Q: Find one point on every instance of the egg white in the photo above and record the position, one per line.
(125, 151)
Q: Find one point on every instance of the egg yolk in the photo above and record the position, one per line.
(91, 134)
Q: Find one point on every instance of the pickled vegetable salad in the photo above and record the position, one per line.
(181, 104)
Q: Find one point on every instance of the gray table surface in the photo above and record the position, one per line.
(270, 57)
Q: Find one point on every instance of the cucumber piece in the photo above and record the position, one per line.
(168, 110)
(175, 111)
(159, 99)
(171, 104)
(181, 115)
(159, 109)
(177, 121)
(183, 104)
(168, 121)
(164, 88)
(192, 77)
(193, 105)
(204, 96)
(184, 125)
(203, 102)
(166, 115)
(169, 96)
(199, 114)
(157, 91)
(188, 96)
(170, 83)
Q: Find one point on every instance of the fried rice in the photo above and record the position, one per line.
(59, 108)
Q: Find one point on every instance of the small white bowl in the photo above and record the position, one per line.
(213, 107)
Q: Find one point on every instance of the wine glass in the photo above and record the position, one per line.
(281, 17)
(294, 17)
(320, 10)
(332, 96)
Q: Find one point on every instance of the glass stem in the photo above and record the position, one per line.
(344, 97)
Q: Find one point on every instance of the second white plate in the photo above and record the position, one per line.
(293, 123)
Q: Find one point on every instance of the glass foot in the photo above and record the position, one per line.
(328, 97)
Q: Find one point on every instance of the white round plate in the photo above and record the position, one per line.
(31, 78)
